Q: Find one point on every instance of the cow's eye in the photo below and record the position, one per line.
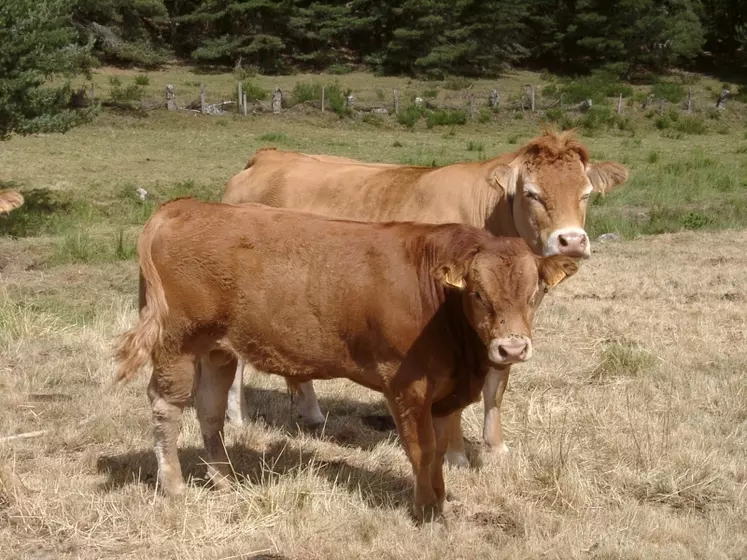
(479, 298)
(586, 197)
(531, 195)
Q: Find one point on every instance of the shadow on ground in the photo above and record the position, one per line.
(379, 488)
(276, 408)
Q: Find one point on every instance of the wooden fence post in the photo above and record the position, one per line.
(620, 104)
(494, 99)
(277, 100)
(322, 99)
(531, 93)
(662, 104)
(170, 98)
(396, 101)
(240, 99)
(203, 106)
(93, 97)
(473, 107)
(721, 101)
(243, 102)
(689, 100)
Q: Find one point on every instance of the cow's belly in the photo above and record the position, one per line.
(317, 365)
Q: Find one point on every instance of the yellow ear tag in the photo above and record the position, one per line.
(555, 277)
(450, 278)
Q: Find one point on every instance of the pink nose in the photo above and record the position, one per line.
(510, 350)
(572, 244)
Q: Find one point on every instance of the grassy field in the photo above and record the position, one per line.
(628, 430)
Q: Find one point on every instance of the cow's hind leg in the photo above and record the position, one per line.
(456, 455)
(238, 410)
(492, 392)
(412, 414)
(169, 391)
(308, 404)
(211, 396)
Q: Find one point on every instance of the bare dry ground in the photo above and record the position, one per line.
(628, 432)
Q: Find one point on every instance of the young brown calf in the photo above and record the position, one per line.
(418, 312)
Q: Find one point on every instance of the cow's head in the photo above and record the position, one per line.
(549, 183)
(499, 285)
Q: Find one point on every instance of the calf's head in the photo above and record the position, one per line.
(549, 183)
(498, 287)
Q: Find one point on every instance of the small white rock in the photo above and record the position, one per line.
(608, 237)
(142, 193)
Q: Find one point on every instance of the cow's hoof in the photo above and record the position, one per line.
(314, 420)
(218, 481)
(428, 513)
(174, 488)
(457, 459)
(238, 420)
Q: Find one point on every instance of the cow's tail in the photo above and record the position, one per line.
(136, 345)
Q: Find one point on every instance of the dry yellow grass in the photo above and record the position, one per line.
(628, 431)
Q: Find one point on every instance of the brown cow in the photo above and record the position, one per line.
(10, 200)
(538, 192)
(415, 311)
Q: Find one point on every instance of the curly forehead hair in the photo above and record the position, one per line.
(553, 146)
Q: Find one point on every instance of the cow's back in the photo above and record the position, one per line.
(367, 192)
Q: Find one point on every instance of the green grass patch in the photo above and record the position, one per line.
(446, 117)
(276, 137)
(253, 91)
(623, 359)
(82, 247)
(410, 115)
(671, 91)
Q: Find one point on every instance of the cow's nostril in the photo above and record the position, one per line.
(563, 241)
(502, 352)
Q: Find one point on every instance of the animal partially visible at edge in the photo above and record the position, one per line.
(10, 200)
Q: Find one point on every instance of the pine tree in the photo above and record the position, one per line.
(126, 31)
(250, 31)
(38, 40)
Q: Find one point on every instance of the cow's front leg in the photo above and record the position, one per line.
(412, 414)
(495, 385)
(237, 410)
(441, 428)
(456, 455)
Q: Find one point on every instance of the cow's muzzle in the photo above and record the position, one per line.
(570, 242)
(510, 350)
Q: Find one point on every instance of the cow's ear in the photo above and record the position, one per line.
(557, 268)
(451, 275)
(505, 176)
(606, 176)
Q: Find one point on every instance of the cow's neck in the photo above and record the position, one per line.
(492, 208)
(467, 353)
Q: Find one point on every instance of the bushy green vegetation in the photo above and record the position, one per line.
(38, 42)
(431, 38)
(446, 118)
(334, 95)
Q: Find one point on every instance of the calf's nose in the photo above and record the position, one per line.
(510, 350)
